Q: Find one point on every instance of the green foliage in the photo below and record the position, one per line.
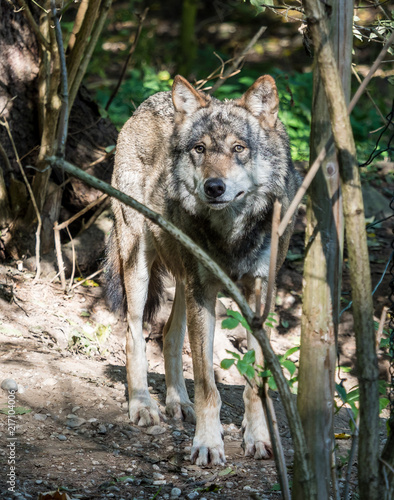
(246, 365)
(16, 410)
(140, 84)
(352, 399)
(234, 319)
(88, 338)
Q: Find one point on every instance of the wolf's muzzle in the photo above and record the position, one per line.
(214, 187)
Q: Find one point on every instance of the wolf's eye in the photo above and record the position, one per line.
(199, 148)
(238, 148)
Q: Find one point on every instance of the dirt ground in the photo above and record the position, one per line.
(66, 353)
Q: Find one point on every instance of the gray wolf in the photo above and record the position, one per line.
(214, 170)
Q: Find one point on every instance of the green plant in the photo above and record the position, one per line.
(246, 365)
(352, 399)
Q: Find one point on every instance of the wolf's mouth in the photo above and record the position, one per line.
(219, 203)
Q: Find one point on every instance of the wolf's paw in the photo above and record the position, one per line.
(144, 412)
(211, 454)
(255, 443)
(181, 411)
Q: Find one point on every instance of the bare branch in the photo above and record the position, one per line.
(73, 265)
(273, 259)
(81, 65)
(60, 262)
(238, 60)
(129, 55)
(39, 222)
(29, 16)
(63, 118)
(320, 158)
(276, 441)
(91, 276)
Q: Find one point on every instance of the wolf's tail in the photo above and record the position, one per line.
(115, 290)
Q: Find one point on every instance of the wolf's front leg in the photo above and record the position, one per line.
(256, 438)
(208, 442)
(143, 410)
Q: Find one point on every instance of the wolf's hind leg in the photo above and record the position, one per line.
(143, 410)
(256, 439)
(178, 404)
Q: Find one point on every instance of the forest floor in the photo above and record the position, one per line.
(66, 353)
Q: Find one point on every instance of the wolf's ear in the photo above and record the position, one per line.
(186, 98)
(262, 100)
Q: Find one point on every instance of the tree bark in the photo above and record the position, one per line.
(368, 466)
(22, 91)
(188, 43)
(323, 269)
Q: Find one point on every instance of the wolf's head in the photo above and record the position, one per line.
(228, 154)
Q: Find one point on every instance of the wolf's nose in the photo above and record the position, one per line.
(214, 187)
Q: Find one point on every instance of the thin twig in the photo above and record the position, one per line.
(351, 459)
(369, 96)
(324, 151)
(257, 290)
(129, 55)
(60, 262)
(39, 222)
(83, 211)
(334, 476)
(83, 61)
(276, 441)
(371, 72)
(75, 285)
(4, 155)
(237, 61)
(95, 216)
(273, 259)
(29, 16)
(73, 265)
(386, 464)
(381, 326)
(63, 118)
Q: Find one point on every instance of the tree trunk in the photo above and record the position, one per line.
(323, 268)
(367, 367)
(188, 43)
(89, 135)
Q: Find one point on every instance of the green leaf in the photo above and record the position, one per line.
(265, 374)
(18, 410)
(383, 385)
(250, 372)
(290, 366)
(290, 352)
(230, 323)
(124, 478)
(226, 471)
(383, 403)
(227, 363)
(238, 316)
(245, 368)
(353, 395)
(272, 384)
(236, 356)
(341, 392)
(249, 357)
(285, 323)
